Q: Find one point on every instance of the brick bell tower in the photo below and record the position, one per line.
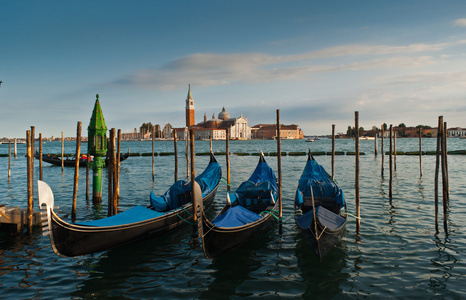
(189, 108)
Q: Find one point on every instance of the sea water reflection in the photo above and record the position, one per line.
(397, 253)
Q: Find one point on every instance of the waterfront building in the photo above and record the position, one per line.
(269, 131)
(457, 132)
(239, 129)
(216, 126)
(167, 132)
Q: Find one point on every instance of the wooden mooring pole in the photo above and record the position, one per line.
(420, 152)
(279, 165)
(33, 152)
(87, 174)
(356, 184)
(110, 172)
(211, 139)
(437, 163)
(9, 160)
(375, 145)
(115, 174)
(76, 170)
(193, 179)
(153, 154)
(227, 155)
(33, 138)
(333, 151)
(381, 149)
(394, 150)
(15, 148)
(118, 159)
(40, 157)
(29, 182)
(176, 154)
(447, 180)
(62, 150)
(390, 180)
(444, 177)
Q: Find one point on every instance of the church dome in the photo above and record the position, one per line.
(223, 115)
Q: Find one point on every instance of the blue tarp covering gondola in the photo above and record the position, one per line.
(174, 197)
(259, 191)
(258, 186)
(136, 214)
(236, 216)
(327, 218)
(322, 184)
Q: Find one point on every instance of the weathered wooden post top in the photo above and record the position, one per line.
(97, 146)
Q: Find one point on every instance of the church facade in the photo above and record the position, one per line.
(215, 127)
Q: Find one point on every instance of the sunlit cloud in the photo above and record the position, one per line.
(460, 22)
(210, 69)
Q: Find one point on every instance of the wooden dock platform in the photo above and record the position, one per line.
(14, 219)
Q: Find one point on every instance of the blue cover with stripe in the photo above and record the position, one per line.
(236, 216)
(135, 214)
(175, 196)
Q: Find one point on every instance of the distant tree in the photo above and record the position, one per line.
(385, 126)
(349, 132)
(146, 127)
(361, 131)
(401, 131)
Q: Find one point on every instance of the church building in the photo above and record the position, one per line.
(216, 126)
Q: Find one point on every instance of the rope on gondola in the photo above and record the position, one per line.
(223, 179)
(185, 219)
(349, 214)
(271, 212)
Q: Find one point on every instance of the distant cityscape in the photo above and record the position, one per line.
(216, 128)
(404, 131)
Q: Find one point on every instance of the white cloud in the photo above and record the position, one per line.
(460, 22)
(209, 69)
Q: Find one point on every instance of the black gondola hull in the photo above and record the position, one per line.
(72, 240)
(71, 162)
(327, 238)
(219, 240)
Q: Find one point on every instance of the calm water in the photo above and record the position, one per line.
(397, 253)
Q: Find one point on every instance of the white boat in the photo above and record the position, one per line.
(367, 138)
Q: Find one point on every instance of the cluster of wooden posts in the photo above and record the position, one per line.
(441, 158)
(114, 166)
(113, 169)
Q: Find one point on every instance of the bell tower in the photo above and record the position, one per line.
(189, 108)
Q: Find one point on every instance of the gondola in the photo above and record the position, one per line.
(165, 213)
(249, 210)
(319, 208)
(56, 159)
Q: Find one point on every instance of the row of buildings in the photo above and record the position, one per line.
(216, 127)
(414, 132)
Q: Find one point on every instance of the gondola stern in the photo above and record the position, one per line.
(309, 155)
(262, 157)
(46, 197)
(212, 158)
(204, 229)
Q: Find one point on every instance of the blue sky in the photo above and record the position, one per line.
(317, 61)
